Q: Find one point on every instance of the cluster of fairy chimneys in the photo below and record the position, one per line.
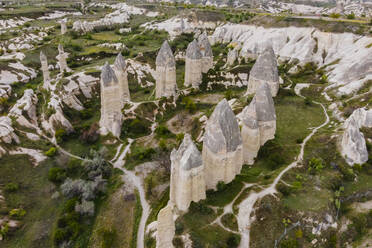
(199, 59)
(226, 147)
(62, 64)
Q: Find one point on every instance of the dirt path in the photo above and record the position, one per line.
(246, 207)
(137, 182)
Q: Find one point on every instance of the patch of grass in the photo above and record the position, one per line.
(224, 196)
(137, 219)
(33, 195)
(230, 221)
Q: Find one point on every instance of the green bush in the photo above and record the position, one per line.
(11, 187)
(289, 243)
(163, 132)
(188, 104)
(350, 16)
(51, 152)
(17, 213)
(315, 165)
(56, 175)
(61, 135)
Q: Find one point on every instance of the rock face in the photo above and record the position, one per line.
(232, 56)
(353, 144)
(7, 134)
(45, 70)
(187, 181)
(264, 70)
(165, 228)
(206, 51)
(120, 68)
(166, 84)
(258, 123)
(111, 116)
(193, 67)
(27, 103)
(62, 57)
(222, 146)
(63, 26)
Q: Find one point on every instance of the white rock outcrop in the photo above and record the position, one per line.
(264, 70)
(193, 65)
(222, 146)
(7, 134)
(166, 84)
(26, 104)
(353, 144)
(165, 228)
(206, 51)
(187, 181)
(120, 68)
(63, 26)
(45, 70)
(62, 59)
(349, 54)
(111, 115)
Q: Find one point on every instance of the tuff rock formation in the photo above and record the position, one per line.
(26, 104)
(353, 144)
(111, 115)
(264, 70)
(62, 57)
(120, 68)
(232, 56)
(206, 51)
(305, 44)
(258, 123)
(222, 146)
(166, 84)
(165, 228)
(45, 70)
(63, 26)
(7, 134)
(250, 134)
(187, 181)
(193, 65)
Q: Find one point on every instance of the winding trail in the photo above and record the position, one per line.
(137, 182)
(246, 207)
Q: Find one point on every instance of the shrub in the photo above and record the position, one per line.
(307, 101)
(335, 15)
(17, 213)
(289, 243)
(315, 165)
(350, 16)
(221, 186)
(56, 175)
(188, 104)
(11, 187)
(61, 135)
(51, 152)
(233, 241)
(163, 132)
(91, 135)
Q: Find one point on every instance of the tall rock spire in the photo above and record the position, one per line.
(166, 84)
(187, 175)
(62, 59)
(222, 146)
(194, 65)
(206, 51)
(120, 68)
(264, 70)
(45, 70)
(111, 105)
